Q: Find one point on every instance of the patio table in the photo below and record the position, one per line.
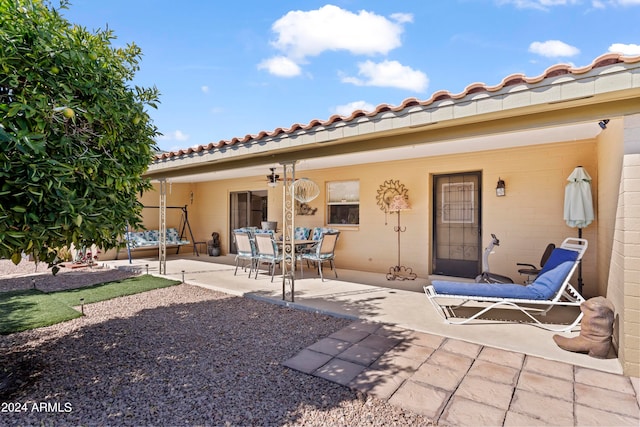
(299, 242)
(299, 245)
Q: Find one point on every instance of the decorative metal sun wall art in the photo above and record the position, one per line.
(387, 191)
(393, 197)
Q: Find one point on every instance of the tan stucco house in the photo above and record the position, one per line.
(447, 154)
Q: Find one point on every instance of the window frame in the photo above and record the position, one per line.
(349, 198)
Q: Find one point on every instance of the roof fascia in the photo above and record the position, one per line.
(572, 95)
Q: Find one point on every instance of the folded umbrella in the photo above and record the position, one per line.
(578, 205)
(578, 201)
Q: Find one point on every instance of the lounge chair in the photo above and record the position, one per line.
(551, 288)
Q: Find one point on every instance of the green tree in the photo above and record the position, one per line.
(75, 137)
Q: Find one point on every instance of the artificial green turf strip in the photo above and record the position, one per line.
(23, 310)
(109, 290)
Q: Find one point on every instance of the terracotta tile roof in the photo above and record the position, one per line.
(511, 80)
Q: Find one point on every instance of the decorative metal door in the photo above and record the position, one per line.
(457, 235)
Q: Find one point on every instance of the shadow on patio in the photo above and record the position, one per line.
(368, 296)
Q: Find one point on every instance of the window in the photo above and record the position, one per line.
(343, 203)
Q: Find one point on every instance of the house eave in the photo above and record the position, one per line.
(590, 94)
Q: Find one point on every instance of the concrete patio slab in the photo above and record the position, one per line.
(486, 392)
(420, 398)
(307, 361)
(339, 371)
(380, 384)
(330, 346)
(464, 412)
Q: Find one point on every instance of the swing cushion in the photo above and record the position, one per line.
(151, 238)
(545, 287)
(172, 236)
(136, 238)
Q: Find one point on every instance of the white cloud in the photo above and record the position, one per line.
(302, 34)
(625, 49)
(204, 89)
(553, 49)
(280, 66)
(346, 109)
(545, 5)
(402, 18)
(537, 4)
(389, 74)
(176, 135)
(602, 4)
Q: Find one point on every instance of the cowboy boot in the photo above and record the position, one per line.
(596, 329)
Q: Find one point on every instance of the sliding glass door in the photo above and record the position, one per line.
(247, 209)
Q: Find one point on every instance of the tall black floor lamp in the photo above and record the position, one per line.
(400, 272)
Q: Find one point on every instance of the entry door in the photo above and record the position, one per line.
(247, 209)
(457, 234)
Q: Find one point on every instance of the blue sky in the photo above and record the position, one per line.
(228, 69)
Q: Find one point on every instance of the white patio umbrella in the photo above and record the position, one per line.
(578, 205)
(578, 202)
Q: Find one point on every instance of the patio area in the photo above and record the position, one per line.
(398, 350)
(365, 296)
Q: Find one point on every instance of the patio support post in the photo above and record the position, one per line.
(162, 243)
(288, 229)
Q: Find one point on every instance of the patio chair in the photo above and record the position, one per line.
(268, 253)
(531, 271)
(316, 234)
(550, 289)
(301, 233)
(246, 251)
(324, 252)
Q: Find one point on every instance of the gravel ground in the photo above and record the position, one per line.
(176, 356)
(27, 273)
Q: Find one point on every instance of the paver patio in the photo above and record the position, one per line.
(459, 383)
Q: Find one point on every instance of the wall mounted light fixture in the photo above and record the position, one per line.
(500, 188)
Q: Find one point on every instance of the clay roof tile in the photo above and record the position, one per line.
(511, 80)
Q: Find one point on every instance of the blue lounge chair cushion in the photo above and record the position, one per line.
(545, 286)
(557, 257)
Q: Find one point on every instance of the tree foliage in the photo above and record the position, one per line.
(75, 137)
